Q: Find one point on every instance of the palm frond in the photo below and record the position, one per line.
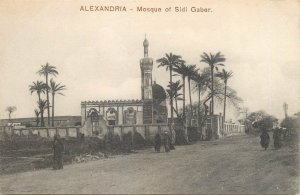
(47, 70)
(56, 88)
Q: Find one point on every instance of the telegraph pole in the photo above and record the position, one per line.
(285, 108)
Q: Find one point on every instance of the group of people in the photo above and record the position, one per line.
(265, 138)
(164, 140)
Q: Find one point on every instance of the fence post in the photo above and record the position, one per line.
(48, 134)
(132, 138)
(12, 132)
(122, 133)
(67, 131)
(77, 132)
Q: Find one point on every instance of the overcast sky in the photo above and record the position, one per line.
(97, 54)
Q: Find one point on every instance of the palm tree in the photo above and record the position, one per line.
(38, 87)
(191, 71)
(224, 75)
(200, 82)
(55, 89)
(43, 104)
(169, 61)
(182, 70)
(213, 61)
(47, 70)
(176, 87)
(10, 110)
(231, 96)
(37, 114)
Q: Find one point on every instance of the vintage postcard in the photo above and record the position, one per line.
(149, 97)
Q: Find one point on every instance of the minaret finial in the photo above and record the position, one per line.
(146, 44)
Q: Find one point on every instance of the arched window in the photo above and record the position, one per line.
(94, 116)
(111, 116)
(130, 116)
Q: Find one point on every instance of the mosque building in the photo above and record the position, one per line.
(99, 116)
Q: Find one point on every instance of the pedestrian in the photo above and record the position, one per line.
(264, 139)
(167, 142)
(157, 142)
(277, 138)
(127, 140)
(58, 150)
(172, 140)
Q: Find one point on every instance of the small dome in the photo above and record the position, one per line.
(146, 43)
(158, 92)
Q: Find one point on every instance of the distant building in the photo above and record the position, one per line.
(59, 121)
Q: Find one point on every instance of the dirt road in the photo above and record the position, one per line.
(232, 165)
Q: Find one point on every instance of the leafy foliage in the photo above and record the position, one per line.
(43, 104)
(213, 61)
(261, 120)
(47, 70)
(10, 110)
(290, 123)
(170, 61)
(38, 87)
(55, 89)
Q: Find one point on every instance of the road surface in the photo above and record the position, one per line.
(235, 164)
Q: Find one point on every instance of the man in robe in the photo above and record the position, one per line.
(167, 142)
(157, 142)
(58, 150)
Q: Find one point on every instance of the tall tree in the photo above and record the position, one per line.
(38, 87)
(176, 87)
(47, 70)
(42, 106)
(192, 71)
(55, 89)
(213, 61)
(224, 75)
(183, 71)
(10, 110)
(285, 108)
(231, 96)
(169, 61)
(37, 114)
(200, 82)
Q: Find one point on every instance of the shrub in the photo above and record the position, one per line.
(138, 141)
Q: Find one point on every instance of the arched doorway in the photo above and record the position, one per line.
(94, 116)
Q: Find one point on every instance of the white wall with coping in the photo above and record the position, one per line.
(146, 131)
(47, 132)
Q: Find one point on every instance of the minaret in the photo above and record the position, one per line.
(146, 70)
(146, 65)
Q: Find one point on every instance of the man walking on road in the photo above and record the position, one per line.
(264, 139)
(167, 142)
(58, 150)
(157, 142)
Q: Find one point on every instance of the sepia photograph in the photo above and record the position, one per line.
(149, 97)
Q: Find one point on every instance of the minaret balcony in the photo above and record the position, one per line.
(147, 61)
